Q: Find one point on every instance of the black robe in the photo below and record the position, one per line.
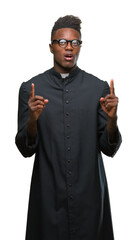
(69, 193)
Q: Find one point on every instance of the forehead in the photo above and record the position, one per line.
(67, 33)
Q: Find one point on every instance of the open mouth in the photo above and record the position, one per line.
(68, 57)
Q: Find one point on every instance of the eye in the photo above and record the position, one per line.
(75, 43)
(62, 42)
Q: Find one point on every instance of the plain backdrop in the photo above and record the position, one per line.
(109, 50)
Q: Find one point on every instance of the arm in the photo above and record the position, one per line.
(36, 105)
(30, 108)
(109, 105)
(110, 138)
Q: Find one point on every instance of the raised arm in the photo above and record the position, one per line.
(36, 105)
(109, 105)
(30, 108)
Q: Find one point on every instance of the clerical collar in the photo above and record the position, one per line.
(64, 75)
(58, 75)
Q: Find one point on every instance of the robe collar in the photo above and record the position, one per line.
(71, 74)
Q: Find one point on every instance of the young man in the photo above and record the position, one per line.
(66, 118)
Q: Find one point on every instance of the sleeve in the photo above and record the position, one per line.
(107, 147)
(21, 138)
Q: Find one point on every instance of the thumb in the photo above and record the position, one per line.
(46, 101)
(102, 100)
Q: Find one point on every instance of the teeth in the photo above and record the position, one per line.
(68, 57)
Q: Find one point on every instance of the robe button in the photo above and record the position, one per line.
(73, 231)
(67, 102)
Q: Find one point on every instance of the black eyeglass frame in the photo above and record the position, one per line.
(67, 41)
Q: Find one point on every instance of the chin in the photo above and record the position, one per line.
(69, 66)
(64, 66)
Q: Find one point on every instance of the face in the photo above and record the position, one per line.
(65, 59)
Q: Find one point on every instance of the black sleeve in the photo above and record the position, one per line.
(107, 147)
(21, 138)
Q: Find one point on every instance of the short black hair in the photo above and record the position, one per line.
(68, 21)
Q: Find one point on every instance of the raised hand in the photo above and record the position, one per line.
(109, 103)
(36, 104)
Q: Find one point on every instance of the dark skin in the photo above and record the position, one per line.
(63, 64)
(36, 105)
(109, 105)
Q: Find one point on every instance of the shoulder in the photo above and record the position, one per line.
(96, 83)
(37, 80)
(92, 78)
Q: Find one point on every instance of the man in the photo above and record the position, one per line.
(66, 118)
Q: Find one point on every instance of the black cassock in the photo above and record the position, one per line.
(69, 193)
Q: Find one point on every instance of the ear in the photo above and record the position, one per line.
(51, 48)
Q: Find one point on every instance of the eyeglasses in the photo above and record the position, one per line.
(63, 43)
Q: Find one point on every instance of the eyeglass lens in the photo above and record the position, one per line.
(74, 43)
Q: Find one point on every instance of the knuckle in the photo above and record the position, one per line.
(40, 107)
(39, 102)
(39, 97)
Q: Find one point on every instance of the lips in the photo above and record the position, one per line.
(68, 56)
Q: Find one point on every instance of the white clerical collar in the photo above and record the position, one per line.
(64, 75)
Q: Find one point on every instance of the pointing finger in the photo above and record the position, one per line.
(32, 92)
(112, 91)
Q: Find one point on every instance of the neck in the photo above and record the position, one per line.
(60, 69)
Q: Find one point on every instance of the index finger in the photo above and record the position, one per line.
(32, 92)
(112, 91)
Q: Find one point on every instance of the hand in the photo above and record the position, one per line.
(109, 103)
(36, 104)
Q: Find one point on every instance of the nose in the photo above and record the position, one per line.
(69, 47)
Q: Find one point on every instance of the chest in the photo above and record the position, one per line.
(71, 105)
